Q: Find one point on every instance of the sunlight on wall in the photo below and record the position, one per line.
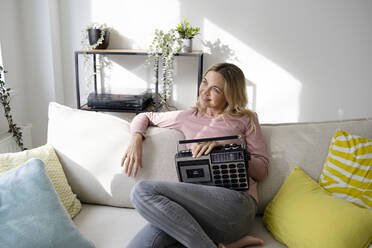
(270, 88)
(120, 80)
(134, 24)
(137, 20)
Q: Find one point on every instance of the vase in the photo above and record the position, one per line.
(94, 34)
(186, 45)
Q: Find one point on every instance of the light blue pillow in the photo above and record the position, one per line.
(31, 214)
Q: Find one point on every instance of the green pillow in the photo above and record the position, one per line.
(31, 214)
(303, 214)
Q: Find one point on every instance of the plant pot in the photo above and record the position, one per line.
(94, 34)
(186, 45)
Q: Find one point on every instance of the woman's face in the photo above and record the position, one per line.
(211, 92)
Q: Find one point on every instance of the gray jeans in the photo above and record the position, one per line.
(190, 215)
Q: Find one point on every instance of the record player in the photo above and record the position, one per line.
(120, 101)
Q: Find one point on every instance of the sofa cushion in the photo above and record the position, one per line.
(301, 144)
(303, 214)
(347, 171)
(111, 227)
(90, 146)
(31, 214)
(54, 169)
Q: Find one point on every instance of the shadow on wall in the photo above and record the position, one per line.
(216, 52)
(117, 40)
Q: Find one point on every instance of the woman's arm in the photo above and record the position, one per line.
(141, 122)
(259, 163)
(132, 158)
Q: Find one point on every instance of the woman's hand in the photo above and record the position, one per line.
(132, 159)
(204, 148)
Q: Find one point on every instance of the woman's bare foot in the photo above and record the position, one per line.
(243, 242)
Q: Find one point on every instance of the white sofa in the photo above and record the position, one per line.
(90, 146)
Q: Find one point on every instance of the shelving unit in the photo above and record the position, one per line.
(198, 54)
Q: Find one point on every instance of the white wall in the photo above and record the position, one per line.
(42, 63)
(11, 52)
(304, 60)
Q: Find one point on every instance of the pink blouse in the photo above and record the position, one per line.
(196, 126)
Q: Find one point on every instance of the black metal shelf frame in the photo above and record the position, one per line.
(198, 54)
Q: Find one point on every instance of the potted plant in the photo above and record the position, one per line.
(98, 36)
(95, 36)
(187, 33)
(5, 101)
(161, 53)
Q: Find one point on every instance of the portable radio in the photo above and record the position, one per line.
(225, 166)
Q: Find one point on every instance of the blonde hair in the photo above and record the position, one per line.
(234, 91)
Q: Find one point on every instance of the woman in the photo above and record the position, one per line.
(191, 215)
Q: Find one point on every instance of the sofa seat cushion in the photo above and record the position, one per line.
(108, 227)
(112, 227)
(259, 230)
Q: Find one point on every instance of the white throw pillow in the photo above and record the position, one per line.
(90, 146)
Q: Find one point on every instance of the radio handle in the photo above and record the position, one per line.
(212, 139)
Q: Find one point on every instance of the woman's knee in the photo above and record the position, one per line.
(141, 189)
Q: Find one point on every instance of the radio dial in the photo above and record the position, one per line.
(232, 146)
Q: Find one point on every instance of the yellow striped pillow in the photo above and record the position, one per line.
(347, 171)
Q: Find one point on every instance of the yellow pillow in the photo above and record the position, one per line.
(347, 171)
(54, 169)
(303, 214)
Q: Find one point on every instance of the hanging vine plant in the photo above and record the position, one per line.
(5, 101)
(161, 52)
(95, 36)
